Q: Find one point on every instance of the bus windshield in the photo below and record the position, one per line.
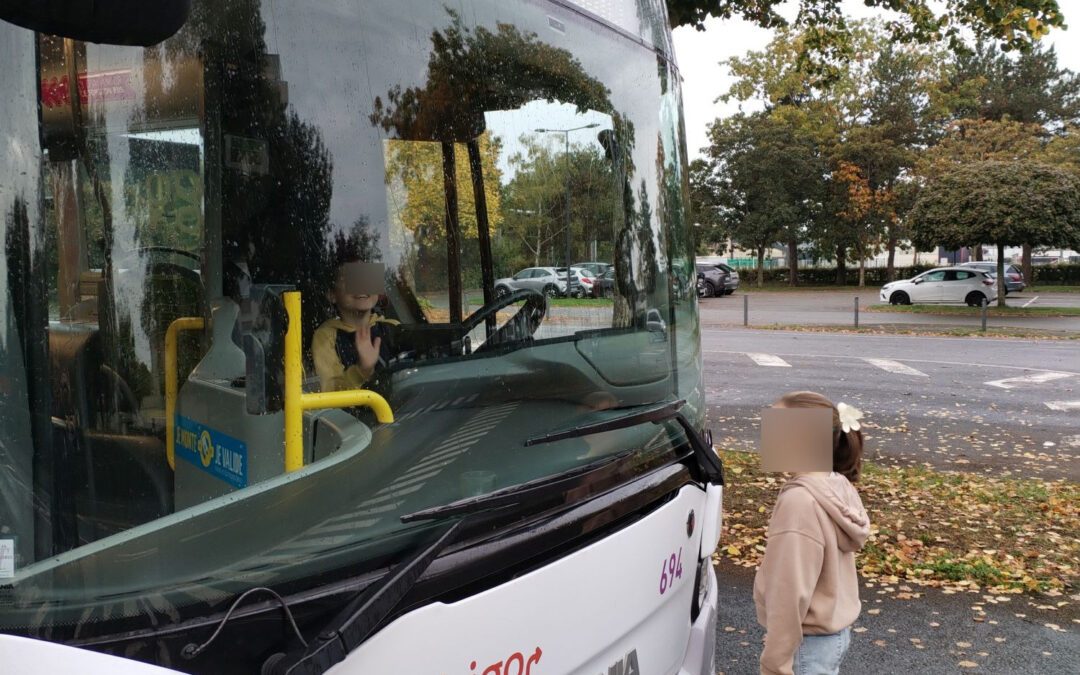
(481, 211)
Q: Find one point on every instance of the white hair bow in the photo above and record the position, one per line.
(849, 417)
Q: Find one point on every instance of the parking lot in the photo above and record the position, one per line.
(837, 307)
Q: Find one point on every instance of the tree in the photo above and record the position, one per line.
(535, 203)
(772, 180)
(989, 84)
(710, 230)
(1016, 24)
(414, 173)
(865, 208)
(1003, 203)
(977, 140)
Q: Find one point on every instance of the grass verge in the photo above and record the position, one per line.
(975, 312)
(953, 530)
(959, 331)
(1051, 289)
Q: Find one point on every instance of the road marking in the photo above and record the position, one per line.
(768, 360)
(938, 363)
(1064, 406)
(1031, 301)
(1034, 378)
(895, 367)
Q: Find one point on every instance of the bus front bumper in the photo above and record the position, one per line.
(701, 647)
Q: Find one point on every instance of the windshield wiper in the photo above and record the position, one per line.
(707, 460)
(363, 614)
(366, 611)
(359, 618)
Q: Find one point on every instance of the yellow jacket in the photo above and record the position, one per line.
(333, 349)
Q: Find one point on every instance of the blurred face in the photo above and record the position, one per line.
(347, 301)
(796, 440)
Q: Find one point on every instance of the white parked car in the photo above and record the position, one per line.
(551, 281)
(943, 285)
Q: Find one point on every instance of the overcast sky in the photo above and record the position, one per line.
(699, 54)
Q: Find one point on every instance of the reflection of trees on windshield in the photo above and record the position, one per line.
(471, 71)
(276, 171)
(535, 201)
(415, 183)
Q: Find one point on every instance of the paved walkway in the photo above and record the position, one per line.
(932, 633)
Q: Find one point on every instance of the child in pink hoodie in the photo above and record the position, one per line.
(806, 590)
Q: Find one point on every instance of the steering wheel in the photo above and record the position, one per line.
(519, 327)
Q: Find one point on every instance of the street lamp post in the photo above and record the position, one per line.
(566, 155)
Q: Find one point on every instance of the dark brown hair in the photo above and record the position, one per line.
(847, 447)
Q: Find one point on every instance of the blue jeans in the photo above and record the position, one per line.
(822, 654)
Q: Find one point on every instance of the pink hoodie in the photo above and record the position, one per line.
(807, 583)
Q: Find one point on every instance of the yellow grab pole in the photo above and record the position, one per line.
(172, 386)
(296, 401)
(351, 398)
(294, 386)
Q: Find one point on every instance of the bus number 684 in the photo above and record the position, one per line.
(670, 570)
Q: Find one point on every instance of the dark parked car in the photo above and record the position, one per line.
(604, 286)
(1014, 278)
(712, 280)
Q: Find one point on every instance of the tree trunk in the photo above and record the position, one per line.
(890, 271)
(760, 266)
(793, 262)
(841, 265)
(1025, 266)
(862, 271)
(978, 253)
(1001, 275)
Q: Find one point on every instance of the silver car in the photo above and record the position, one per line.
(544, 280)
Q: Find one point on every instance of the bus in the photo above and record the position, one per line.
(192, 193)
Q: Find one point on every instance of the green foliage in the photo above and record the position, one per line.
(414, 174)
(535, 204)
(1016, 24)
(825, 276)
(709, 228)
(1004, 203)
(772, 178)
(1065, 275)
(463, 57)
(988, 84)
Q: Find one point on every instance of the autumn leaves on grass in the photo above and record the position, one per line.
(956, 531)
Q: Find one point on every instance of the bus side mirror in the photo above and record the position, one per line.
(113, 22)
(263, 323)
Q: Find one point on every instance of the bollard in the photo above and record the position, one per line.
(745, 310)
(856, 311)
(985, 304)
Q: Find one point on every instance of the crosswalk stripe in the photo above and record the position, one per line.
(1063, 406)
(895, 367)
(768, 360)
(1035, 378)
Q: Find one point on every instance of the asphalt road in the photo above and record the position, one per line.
(932, 633)
(1002, 407)
(838, 308)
